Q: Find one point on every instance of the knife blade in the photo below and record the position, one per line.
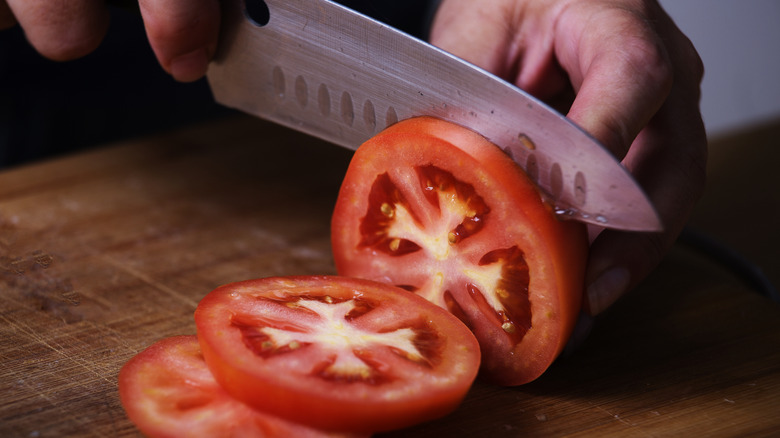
(318, 67)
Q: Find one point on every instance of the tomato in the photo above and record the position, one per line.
(168, 391)
(437, 209)
(336, 353)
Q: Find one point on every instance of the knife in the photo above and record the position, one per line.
(321, 68)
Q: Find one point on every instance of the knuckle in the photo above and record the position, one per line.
(646, 55)
(649, 60)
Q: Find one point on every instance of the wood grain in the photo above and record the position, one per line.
(105, 252)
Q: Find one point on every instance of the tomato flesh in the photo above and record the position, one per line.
(438, 210)
(168, 391)
(336, 353)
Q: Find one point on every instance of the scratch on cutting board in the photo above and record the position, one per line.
(634, 426)
(33, 334)
(150, 281)
(38, 338)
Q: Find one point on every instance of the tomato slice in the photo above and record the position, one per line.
(436, 209)
(336, 353)
(168, 391)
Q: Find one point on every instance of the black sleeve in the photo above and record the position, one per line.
(119, 91)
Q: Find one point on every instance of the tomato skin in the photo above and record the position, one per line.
(509, 217)
(294, 382)
(167, 391)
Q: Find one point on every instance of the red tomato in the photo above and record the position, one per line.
(436, 209)
(168, 391)
(336, 353)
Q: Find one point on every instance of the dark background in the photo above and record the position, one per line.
(119, 91)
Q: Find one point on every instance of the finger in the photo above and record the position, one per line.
(620, 69)
(183, 34)
(499, 40)
(673, 178)
(7, 19)
(62, 30)
(478, 34)
(668, 159)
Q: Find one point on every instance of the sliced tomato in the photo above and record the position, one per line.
(336, 353)
(168, 391)
(436, 209)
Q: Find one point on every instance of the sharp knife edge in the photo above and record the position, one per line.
(330, 72)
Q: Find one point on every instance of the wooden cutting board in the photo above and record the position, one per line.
(105, 252)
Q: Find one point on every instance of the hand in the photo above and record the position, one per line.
(182, 33)
(626, 74)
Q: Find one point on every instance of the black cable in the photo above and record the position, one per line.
(743, 268)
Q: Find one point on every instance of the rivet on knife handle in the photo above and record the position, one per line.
(323, 69)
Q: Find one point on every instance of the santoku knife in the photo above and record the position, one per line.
(323, 69)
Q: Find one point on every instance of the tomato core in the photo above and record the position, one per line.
(390, 225)
(346, 347)
(336, 353)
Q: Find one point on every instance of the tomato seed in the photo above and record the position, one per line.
(508, 327)
(452, 237)
(387, 209)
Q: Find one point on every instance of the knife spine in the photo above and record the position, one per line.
(302, 36)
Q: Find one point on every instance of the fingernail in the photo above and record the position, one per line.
(607, 288)
(191, 66)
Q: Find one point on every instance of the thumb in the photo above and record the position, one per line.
(183, 34)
